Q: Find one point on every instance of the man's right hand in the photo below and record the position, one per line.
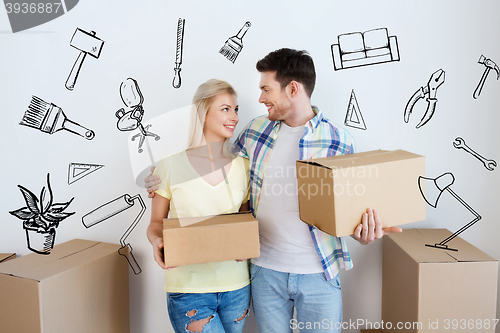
(151, 183)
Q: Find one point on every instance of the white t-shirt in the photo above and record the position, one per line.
(286, 244)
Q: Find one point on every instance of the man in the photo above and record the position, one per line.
(299, 265)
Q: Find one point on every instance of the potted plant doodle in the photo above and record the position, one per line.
(40, 218)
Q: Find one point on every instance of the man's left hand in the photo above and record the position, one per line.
(371, 229)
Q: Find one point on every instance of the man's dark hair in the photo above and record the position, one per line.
(290, 65)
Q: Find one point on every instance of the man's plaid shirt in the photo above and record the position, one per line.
(321, 139)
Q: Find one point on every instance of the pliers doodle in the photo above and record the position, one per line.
(429, 91)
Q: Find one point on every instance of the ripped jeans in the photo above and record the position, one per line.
(223, 312)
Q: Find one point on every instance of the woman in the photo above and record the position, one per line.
(201, 181)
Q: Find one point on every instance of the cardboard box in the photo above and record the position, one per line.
(7, 256)
(215, 238)
(435, 287)
(371, 331)
(335, 191)
(81, 287)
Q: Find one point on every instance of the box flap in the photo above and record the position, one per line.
(63, 257)
(192, 222)
(413, 242)
(6, 256)
(362, 159)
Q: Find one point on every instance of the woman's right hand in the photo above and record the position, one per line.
(158, 252)
(151, 182)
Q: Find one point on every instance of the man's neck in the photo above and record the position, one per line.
(300, 114)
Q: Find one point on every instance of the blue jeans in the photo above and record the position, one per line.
(226, 312)
(274, 295)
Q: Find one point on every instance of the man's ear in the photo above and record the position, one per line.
(293, 88)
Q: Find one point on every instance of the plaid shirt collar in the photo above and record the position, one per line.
(312, 123)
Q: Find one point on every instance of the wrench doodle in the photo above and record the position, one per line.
(488, 164)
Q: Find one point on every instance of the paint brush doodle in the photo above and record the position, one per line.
(353, 117)
(88, 44)
(234, 44)
(50, 118)
(41, 216)
(112, 208)
(362, 49)
(176, 83)
(127, 121)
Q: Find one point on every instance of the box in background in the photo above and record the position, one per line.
(435, 288)
(215, 238)
(372, 331)
(81, 287)
(7, 256)
(335, 191)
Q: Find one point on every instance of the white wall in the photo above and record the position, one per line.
(140, 43)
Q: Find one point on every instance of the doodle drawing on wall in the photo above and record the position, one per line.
(176, 83)
(49, 118)
(127, 121)
(429, 93)
(434, 187)
(489, 66)
(353, 117)
(488, 164)
(86, 43)
(41, 217)
(234, 45)
(77, 171)
(111, 209)
(371, 47)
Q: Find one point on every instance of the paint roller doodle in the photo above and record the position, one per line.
(234, 45)
(111, 209)
(49, 118)
(127, 121)
(87, 43)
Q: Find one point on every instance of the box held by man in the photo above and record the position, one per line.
(335, 191)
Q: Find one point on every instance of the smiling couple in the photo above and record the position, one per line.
(299, 264)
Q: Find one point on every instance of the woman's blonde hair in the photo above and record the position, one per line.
(202, 100)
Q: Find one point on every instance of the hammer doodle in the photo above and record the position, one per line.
(87, 43)
(489, 66)
(49, 118)
(176, 83)
(361, 49)
(41, 217)
(353, 117)
(429, 93)
(127, 121)
(111, 209)
(488, 164)
(234, 44)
